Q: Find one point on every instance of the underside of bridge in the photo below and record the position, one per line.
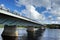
(9, 20)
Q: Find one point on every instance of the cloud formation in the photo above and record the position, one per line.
(38, 3)
(55, 7)
(52, 6)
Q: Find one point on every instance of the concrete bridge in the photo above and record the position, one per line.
(10, 20)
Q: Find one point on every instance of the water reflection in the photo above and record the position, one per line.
(22, 33)
(39, 33)
(9, 38)
(51, 34)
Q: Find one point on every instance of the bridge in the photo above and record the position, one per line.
(10, 20)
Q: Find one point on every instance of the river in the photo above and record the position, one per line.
(48, 34)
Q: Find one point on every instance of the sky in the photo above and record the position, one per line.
(43, 11)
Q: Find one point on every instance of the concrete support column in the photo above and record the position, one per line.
(10, 33)
(30, 33)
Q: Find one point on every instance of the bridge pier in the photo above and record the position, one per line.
(9, 32)
(30, 33)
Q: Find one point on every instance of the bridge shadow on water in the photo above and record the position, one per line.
(14, 37)
(9, 38)
(38, 34)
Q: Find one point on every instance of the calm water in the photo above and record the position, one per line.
(49, 34)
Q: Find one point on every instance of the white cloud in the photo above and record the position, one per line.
(30, 11)
(56, 1)
(50, 17)
(58, 18)
(54, 7)
(45, 3)
(55, 10)
(55, 22)
(35, 14)
(26, 13)
(2, 5)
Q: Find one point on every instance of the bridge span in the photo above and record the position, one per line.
(10, 20)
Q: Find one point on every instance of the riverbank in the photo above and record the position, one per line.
(2, 26)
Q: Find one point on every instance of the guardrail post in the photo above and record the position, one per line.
(9, 32)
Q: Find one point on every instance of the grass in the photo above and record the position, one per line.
(2, 26)
(20, 27)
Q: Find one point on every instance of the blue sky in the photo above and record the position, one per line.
(11, 4)
(44, 10)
